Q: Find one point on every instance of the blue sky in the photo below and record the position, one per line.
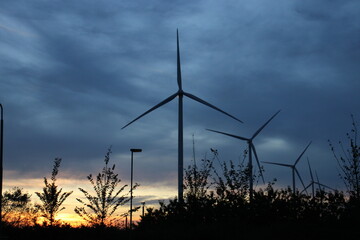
(72, 73)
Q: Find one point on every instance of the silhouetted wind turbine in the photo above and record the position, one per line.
(180, 93)
(318, 182)
(251, 149)
(293, 168)
(313, 182)
(323, 185)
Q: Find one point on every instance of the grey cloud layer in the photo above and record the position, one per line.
(73, 73)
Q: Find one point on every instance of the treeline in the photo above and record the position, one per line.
(216, 205)
(97, 208)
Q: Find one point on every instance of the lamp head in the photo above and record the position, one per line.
(136, 150)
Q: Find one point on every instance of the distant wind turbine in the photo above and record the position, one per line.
(313, 182)
(251, 149)
(293, 168)
(180, 93)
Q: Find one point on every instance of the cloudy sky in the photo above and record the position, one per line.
(72, 73)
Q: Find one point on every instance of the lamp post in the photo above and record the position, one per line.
(1, 157)
(131, 185)
(143, 209)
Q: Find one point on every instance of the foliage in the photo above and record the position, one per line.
(17, 209)
(223, 206)
(196, 180)
(107, 196)
(51, 197)
(349, 162)
(232, 184)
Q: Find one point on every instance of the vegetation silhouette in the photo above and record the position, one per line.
(107, 196)
(18, 211)
(225, 211)
(216, 206)
(52, 198)
(349, 161)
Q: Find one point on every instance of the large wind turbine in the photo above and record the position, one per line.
(293, 168)
(251, 149)
(180, 93)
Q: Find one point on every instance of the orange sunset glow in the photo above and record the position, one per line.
(31, 185)
(236, 119)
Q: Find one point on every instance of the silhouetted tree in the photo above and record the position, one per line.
(51, 197)
(232, 184)
(17, 208)
(349, 161)
(107, 198)
(196, 179)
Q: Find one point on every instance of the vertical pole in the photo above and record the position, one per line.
(1, 159)
(250, 173)
(293, 178)
(131, 183)
(312, 188)
(143, 209)
(180, 127)
(131, 189)
(180, 150)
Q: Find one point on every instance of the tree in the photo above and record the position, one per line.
(17, 208)
(196, 183)
(107, 198)
(51, 197)
(349, 162)
(232, 185)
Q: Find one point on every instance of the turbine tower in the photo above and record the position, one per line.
(251, 149)
(180, 94)
(293, 168)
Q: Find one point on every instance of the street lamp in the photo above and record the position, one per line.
(1, 157)
(143, 209)
(131, 187)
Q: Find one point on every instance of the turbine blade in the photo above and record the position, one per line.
(318, 181)
(325, 186)
(298, 159)
(317, 177)
(262, 127)
(257, 160)
(280, 164)
(228, 134)
(306, 188)
(300, 179)
(210, 105)
(178, 61)
(153, 108)
(311, 175)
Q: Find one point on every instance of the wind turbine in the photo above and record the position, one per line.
(293, 168)
(313, 182)
(251, 149)
(180, 93)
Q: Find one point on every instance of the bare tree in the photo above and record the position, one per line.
(51, 197)
(349, 161)
(17, 208)
(98, 208)
(196, 179)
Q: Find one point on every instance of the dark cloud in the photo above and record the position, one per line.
(73, 73)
